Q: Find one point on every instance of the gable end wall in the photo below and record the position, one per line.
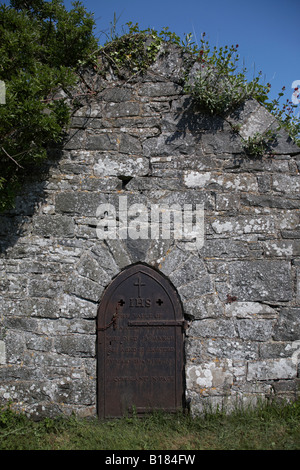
(240, 290)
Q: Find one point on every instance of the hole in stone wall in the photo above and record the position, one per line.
(125, 180)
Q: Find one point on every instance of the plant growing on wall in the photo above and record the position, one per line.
(259, 144)
(218, 86)
(134, 51)
(285, 115)
(130, 53)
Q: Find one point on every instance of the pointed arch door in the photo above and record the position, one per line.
(140, 344)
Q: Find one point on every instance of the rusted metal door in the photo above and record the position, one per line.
(140, 344)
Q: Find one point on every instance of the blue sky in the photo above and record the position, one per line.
(267, 31)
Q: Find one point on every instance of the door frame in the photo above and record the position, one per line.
(102, 328)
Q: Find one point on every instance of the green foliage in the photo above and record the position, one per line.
(62, 37)
(128, 54)
(285, 115)
(134, 51)
(219, 86)
(259, 144)
(41, 44)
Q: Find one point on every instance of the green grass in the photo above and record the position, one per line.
(272, 427)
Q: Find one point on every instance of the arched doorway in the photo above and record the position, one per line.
(140, 344)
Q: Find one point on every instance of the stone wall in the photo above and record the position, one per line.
(144, 139)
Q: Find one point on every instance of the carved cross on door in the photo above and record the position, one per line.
(139, 284)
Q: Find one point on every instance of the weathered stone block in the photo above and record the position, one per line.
(288, 326)
(289, 184)
(44, 308)
(284, 144)
(170, 69)
(155, 183)
(83, 203)
(272, 369)
(80, 391)
(290, 234)
(53, 226)
(279, 248)
(2, 353)
(41, 287)
(244, 224)
(286, 389)
(39, 343)
(188, 272)
(89, 268)
(173, 260)
(70, 168)
(71, 306)
(208, 306)
(15, 343)
(105, 259)
(196, 289)
(79, 345)
(225, 248)
(129, 144)
(75, 140)
(121, 165)
(280, 349)
(221, 143)
(212, 375)
(120, 253)
(259, 121)
(270, 201)
(217, 328)
(261, 280)
(229, 182)
(235, 349)
(114, 110)
(181, 197)
(255, 330)
(117, 94)
(165, 145)
(250, 310)
(83, 288)
(106, 184)
(227, 202)
(160, 89)
(101, 142)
